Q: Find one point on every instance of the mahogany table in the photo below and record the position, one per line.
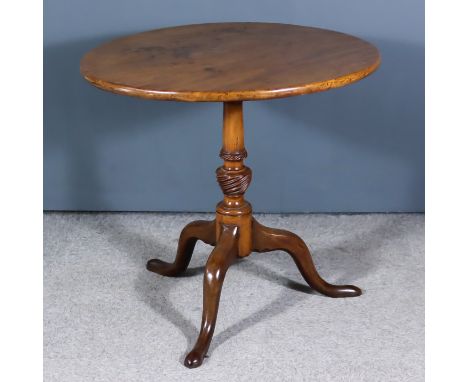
(231, 63)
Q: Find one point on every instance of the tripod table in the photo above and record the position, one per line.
(231, 63)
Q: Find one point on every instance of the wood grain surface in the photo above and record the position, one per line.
(229, 62)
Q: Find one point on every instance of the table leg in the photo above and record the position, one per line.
(267, 239)
(221, 258)
(235, 233)
(198, 230)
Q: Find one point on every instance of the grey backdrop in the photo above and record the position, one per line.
(354, 149)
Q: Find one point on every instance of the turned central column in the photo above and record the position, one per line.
(234, 178)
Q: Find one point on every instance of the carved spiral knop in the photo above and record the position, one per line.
(234, 183)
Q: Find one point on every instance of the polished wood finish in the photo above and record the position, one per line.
(235, 234)
(229, 62)
(197, 230)
(222, 256)
(267, 239)
(234, 178)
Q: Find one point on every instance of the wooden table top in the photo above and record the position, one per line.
(229, 62)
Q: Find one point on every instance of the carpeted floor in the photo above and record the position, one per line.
(108, 319)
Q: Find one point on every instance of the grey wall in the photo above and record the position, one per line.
(354, 149)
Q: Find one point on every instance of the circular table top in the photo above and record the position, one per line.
(229, 62)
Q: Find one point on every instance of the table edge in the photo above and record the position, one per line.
(240, 95)
(243, 95)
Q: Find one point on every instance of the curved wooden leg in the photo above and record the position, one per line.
(221, 258)
(198, 230)
(267, 239)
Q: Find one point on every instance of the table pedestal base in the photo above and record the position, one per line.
(235, 233)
